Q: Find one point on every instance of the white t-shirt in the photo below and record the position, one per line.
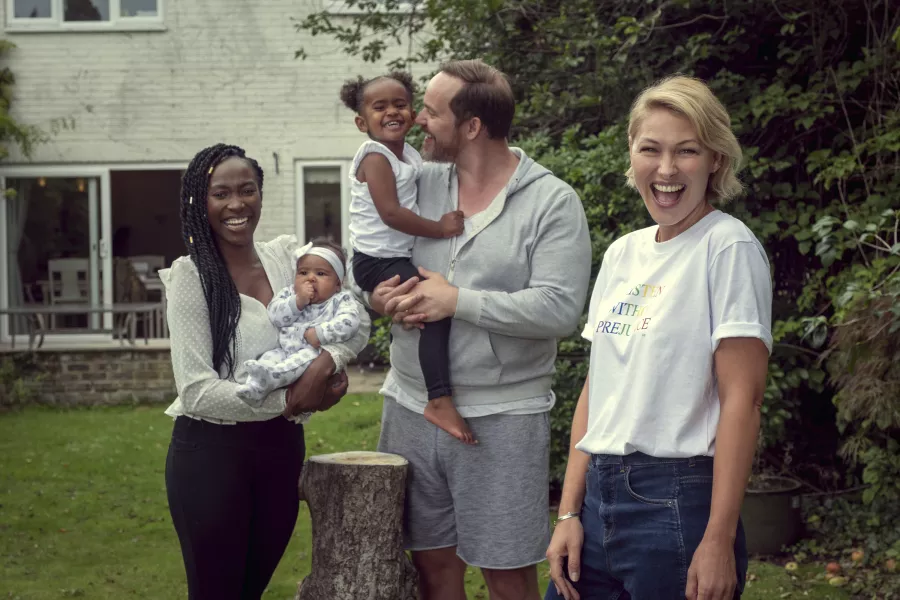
(656, 316)
(368, 233)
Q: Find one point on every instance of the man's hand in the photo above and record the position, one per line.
(712, 574)
(312, 338)
(452, 224)
(434, 299)
(392, 289)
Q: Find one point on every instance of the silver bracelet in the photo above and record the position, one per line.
(568, 515)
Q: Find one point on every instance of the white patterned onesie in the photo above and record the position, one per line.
(335, 320)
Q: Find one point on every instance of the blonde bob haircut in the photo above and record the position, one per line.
(693, 100)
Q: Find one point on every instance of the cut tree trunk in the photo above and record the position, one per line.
(356, 501)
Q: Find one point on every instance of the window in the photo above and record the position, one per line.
(52, 233)
(31, 9)
(322, 200)
(87, 236)
(84, 15)
(322, 203)
(358, 7)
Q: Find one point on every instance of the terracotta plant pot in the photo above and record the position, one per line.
(771, 514)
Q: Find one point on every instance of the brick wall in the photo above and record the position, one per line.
(221, 71)
(116, 376)
(96, 377)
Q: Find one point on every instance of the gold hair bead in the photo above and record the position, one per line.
(191, 200)
(191, 239)
(211, 170)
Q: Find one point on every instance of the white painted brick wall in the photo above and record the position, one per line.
(223, 70)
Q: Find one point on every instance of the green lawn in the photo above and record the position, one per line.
(83, 507)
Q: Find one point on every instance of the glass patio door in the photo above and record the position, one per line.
(53, 251)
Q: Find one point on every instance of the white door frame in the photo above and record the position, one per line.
(101, 255)
(300, 197)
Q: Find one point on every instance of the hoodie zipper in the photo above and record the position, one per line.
(454, 248)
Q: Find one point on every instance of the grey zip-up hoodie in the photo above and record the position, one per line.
(522, 276)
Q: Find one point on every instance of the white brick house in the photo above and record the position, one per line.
(145, 84)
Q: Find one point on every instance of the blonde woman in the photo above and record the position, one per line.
(666, 424)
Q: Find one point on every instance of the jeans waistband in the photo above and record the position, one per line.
(639, 458)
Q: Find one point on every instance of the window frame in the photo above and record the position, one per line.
(103, 172)
(56, 23)
(342, 8)
(300, 166)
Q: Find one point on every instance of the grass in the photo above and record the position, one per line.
(83, 508)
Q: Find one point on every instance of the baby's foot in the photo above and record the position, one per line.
(261, 375)
(255, 369)
(250, 393)
(442, 412)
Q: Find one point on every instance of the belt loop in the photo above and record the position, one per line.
(692, 461)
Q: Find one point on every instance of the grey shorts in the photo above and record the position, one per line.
(490, 501)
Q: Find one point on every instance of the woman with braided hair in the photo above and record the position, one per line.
(232, 469)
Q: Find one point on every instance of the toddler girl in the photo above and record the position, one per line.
(384, 221)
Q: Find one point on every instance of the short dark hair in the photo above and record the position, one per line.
(353, 90)
(486, 95)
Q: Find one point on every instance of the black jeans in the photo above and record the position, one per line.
(434, 339)
(233, 495)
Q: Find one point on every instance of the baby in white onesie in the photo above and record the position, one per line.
(311, 312)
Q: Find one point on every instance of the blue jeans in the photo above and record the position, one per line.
(643, 519)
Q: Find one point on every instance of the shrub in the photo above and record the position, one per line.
(18, 375)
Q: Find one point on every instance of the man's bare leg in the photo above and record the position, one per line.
(441, 574)
(512, 584)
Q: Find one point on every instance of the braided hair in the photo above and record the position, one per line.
(221, 293)
(353, 89)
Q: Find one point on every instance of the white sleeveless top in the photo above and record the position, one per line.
(368, 233)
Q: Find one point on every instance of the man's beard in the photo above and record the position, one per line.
(445, 153)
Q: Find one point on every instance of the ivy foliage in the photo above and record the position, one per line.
(12, 132)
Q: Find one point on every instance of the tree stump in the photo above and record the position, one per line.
(356, 501)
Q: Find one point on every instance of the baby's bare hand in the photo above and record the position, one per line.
(312, 337)
(305, 294)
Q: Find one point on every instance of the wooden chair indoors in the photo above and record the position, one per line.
(128, 288)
